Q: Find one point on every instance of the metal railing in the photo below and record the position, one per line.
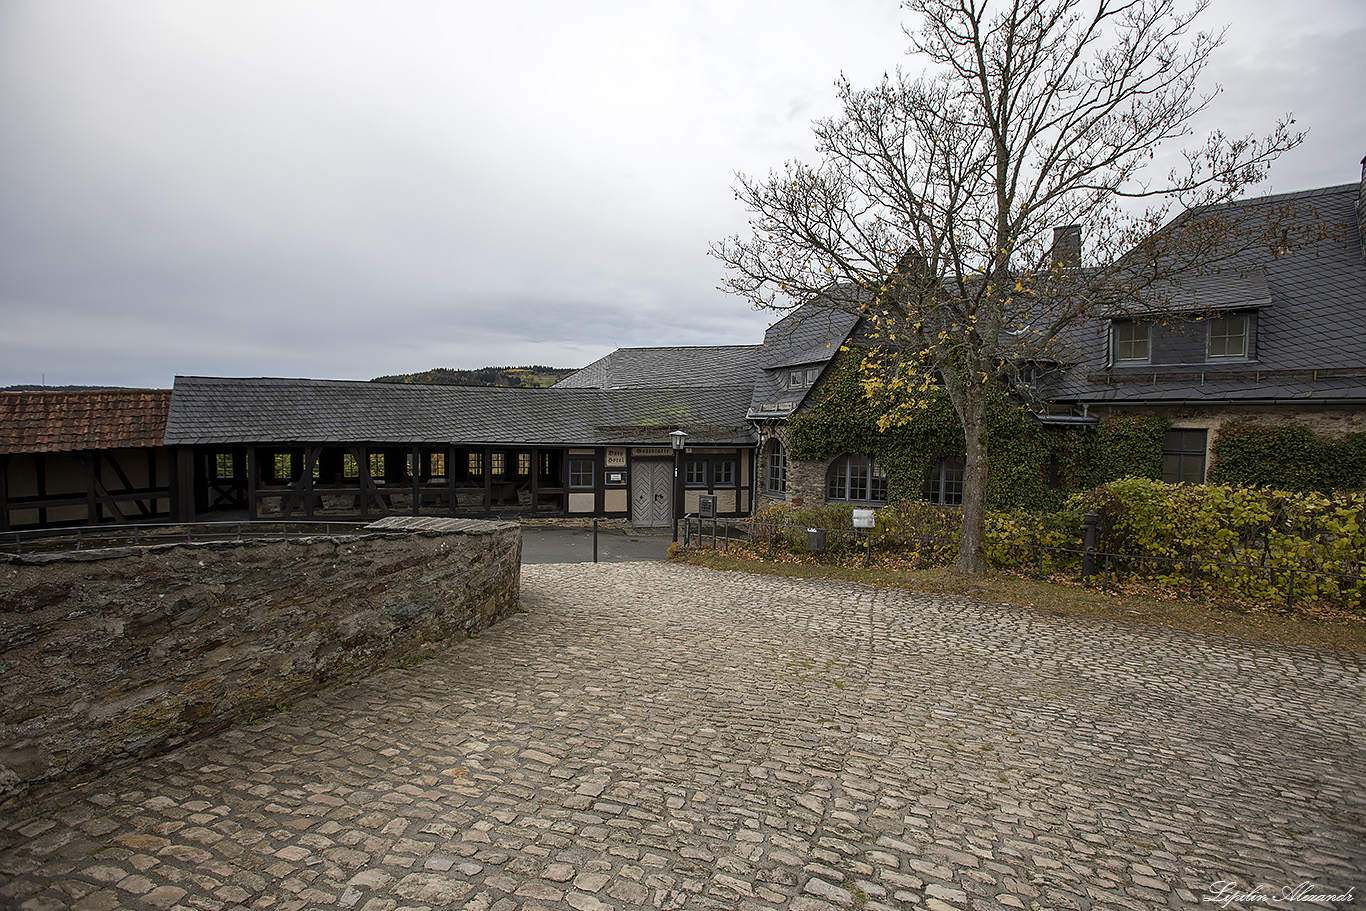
(1198, 574)
(101, 537)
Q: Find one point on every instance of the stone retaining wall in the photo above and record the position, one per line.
(111, 655)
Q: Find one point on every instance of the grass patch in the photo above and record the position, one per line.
(1312, 626)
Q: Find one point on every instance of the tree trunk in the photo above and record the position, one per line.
(974, 508)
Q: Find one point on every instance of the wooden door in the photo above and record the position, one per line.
(652, 494)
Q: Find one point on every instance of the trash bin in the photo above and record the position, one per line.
(815, 539)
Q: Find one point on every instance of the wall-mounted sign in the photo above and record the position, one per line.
(616, 458)
(616, 477)
(648, 452)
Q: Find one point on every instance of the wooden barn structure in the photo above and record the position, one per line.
(84, 458)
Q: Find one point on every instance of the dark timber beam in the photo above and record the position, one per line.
(454, 501)
(4, 493)
(417, 480)
(252, 465)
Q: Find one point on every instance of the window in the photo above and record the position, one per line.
(695, 473)
(222, 466)
(349, 469)
(856, 477)
(1131, 342)
(1228, 336)
(945, 484)
(723, 473)
(498, 463)
(523, 463)
(437, 464)
(376, 464)
(1183, 456)
(476, 464)
(580, 472)
(284, 466)
(802, 377)
(777, 468)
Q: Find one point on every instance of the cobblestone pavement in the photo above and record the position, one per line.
(659, 736)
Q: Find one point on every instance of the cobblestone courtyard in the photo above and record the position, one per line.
(658, 736)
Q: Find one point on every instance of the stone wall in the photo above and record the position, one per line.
(111, 655)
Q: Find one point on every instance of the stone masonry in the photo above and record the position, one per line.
(653, 736)
(111, 655)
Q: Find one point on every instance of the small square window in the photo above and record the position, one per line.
(723, 473)
(1183, 456)
(1228, 336)
(1131, 342)
(581, 473)
(695, 473)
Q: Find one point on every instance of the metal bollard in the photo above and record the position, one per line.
(1090, 533)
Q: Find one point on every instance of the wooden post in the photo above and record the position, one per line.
(4, 493)
(252, 459)
(535, 479)
(417, 481)
(450, 479)
(311, 456)
(488, 481)
(92, 505)
(363, 474)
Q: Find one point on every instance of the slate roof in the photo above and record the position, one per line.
(1311, 321)
(225, 410)
(72, 421)
(809, 336)
(700, 365)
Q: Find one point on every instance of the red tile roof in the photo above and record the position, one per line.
(69, 421)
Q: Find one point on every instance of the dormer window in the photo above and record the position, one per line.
(1131, 344)
(802, 378)
(1228, 337)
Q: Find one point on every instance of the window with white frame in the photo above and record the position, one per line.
(1228, 336)
(777, 468)
(1131, 342)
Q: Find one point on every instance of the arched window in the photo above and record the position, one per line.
(945, 483)
(856, 477)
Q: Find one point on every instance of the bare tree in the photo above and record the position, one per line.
(932, 208)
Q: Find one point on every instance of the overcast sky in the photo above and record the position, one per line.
(342, 190)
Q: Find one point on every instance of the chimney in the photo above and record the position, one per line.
(1361, 209)
(1067, 246)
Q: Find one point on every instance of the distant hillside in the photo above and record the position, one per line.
(527, 377)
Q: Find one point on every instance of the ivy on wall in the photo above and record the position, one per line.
(1288, 458)
(1030, 467)
(1127, 446)
(1035, 467)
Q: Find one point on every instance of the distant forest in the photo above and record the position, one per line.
(526, 377)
